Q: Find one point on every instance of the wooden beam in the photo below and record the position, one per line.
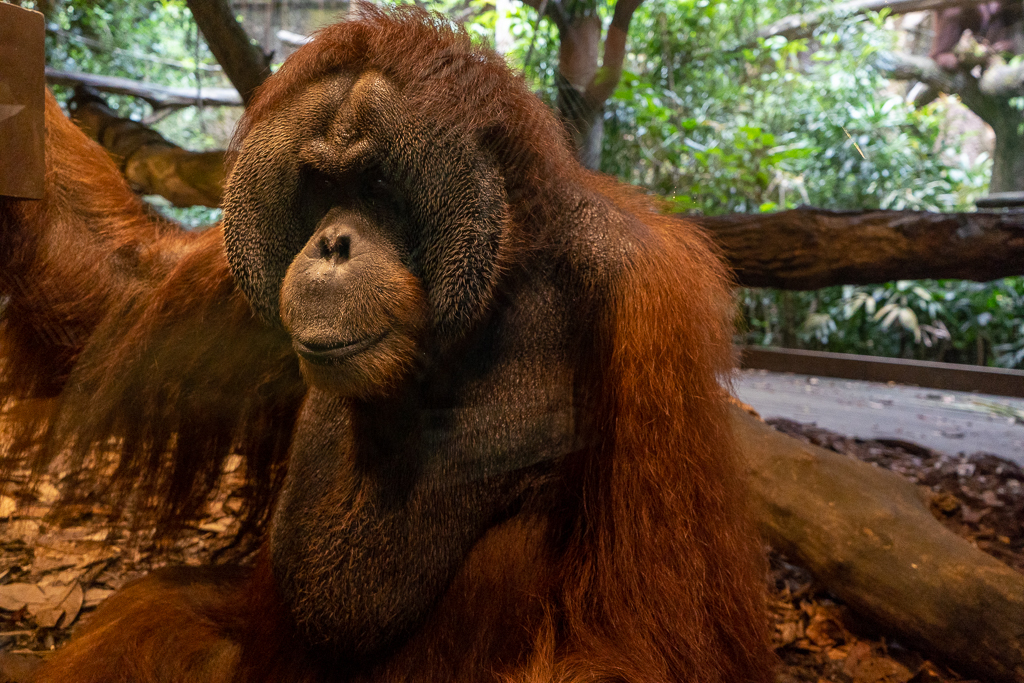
(812, 248)
(948, 376)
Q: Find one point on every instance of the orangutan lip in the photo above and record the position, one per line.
(322, 354)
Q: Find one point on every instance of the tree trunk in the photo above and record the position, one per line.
(867, 535)
(583, 86)
(584, 123)
(988, 96)
(1008, 157)
(577, 65)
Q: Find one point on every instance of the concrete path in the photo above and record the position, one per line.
(949, 421)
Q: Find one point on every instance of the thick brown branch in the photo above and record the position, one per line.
(906, 67)
(608, 76)
(811, 248)
(901, 66)
(150, 163)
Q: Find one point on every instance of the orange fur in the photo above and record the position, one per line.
(108, 316)
(633, 560)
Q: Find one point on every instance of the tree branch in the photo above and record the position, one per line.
(905, 67)
(901, 66)
(244, 62)
(803, 25)
(150, 163)
(552, 9)
(158, 96)
(867, 535)
(607, 77)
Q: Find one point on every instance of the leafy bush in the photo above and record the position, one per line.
(152, 41)
(777, 124)
(945, 320)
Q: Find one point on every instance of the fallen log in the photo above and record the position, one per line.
(867, 535)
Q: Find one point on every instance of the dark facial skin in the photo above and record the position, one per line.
(431, 206)
(354, 311)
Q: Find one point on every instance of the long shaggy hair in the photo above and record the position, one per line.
(135, 333)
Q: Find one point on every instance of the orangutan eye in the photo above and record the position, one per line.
(376, 188)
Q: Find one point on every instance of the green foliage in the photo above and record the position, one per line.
(779, 123)
(190, 216)
(153, 41)
(776, 124)
(946, 320)
(535, 50)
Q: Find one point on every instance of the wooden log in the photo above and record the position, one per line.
(813, 248)
(868, 536)
(1001, 199)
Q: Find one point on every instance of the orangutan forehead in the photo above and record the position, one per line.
(310, 108)
(337, 105)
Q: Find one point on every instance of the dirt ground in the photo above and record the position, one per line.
(55, 571)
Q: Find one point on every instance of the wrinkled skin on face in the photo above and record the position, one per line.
(359, 232)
